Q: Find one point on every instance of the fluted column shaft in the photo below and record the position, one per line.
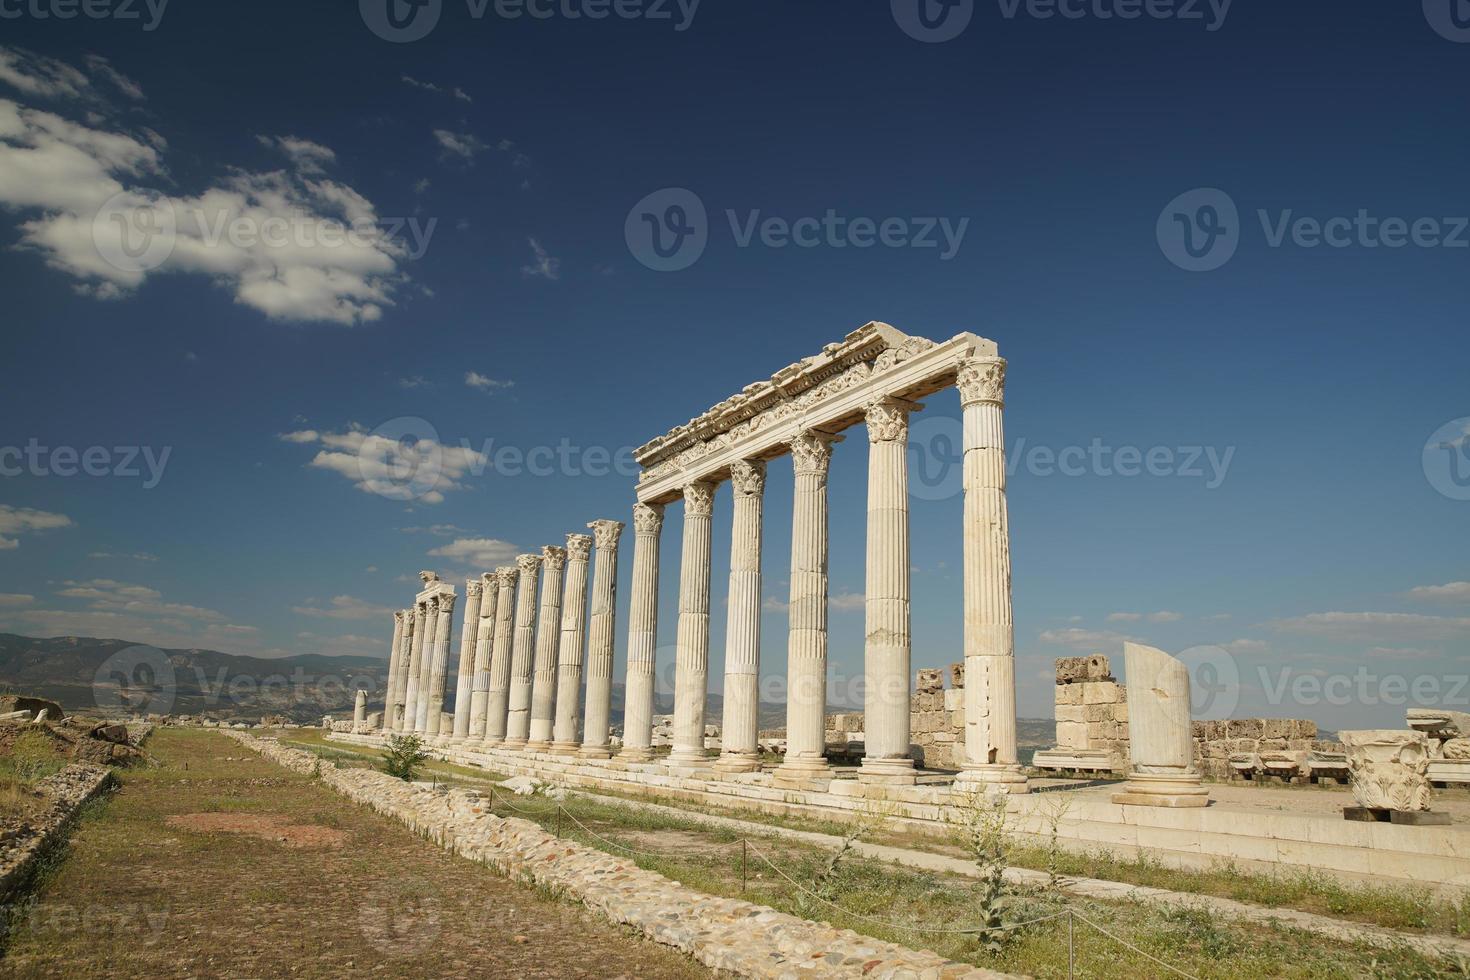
(484, 645)
(518, 720)
(990, 664)
(439, 667)
(392, 684)
(595, 740)
(888, 644)
(497, 702)
(400, 684)
(465, 678)
(806, 645)
(543, 680)
(691, 677)
(569, 655)
(648, 522)
(740, 726)
(422, 626)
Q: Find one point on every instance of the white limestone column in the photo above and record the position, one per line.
(498, 700)
(426, 666)
(648, 522)
(484, 645)
(439, 668)
(805, 764)
(990, 665)
(1160, 744)
(359, 712)
(548, 633)
(400, 685)
(465, 677)
(740, 725)
(569, 656)
(595, 740)
(423, 619)
(518, 720)
(888, 644)
(392, 685)
(691, 677)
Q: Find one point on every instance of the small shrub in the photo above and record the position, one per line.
(404, 756)
(984, 831)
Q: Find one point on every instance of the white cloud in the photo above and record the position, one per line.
(101, 66)
(1162, 616)
(9, 600)
(347, 645)
(135, 556)
(109, 595)
(25, 520)
(482, 553)
(774, 604)
(344, 607)
(393, 468)
(453, 91)
(301, 436)
(309, 157)
(847, 601)
(543, 266)
(40, 76)
(417, 381)
(1373, 625)
(463, 145)
(475, 379)
(1247, 646)
(1084, 639)
(1450, 591)
(1124, 617)
(442, 530)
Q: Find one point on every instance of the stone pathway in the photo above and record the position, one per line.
(222, 864)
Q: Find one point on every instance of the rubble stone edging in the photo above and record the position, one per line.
(65, 793)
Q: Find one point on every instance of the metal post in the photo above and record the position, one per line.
(1071, 949)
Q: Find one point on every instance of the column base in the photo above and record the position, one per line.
(688, 757)
(807, 774)
(565, 748)
(537, 746)
(738, 762)
(635, 753)
(888, 772)
(999, 778)
(493, 743)
(595, 752)
(514, 744)
(1184, 789)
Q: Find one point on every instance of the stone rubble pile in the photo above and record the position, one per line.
(23, 840)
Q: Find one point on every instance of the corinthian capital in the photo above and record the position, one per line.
(528, 564)
(607, 533)
(579, 546)
(982, 379)
(811, 451)
(648, 518)
(888, 420)
(699, 499)
(399, 616)
(507, 576)
(748, 477)
(473, 588)
(555, 556)
(446, 602)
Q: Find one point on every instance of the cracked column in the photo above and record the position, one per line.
(569, 656)
(595, 742)
(422, 617)
(648, 522)
(1160, 743)
(691, 677)
(499, 697)
(439, 668)
(392, 683)
(990, 665)
(805, 765)
(888, 643)
(465, 679)
(400, 683)
(518, 720)
(543, 685)
(740, 725)
(359, 712)
(484, 646)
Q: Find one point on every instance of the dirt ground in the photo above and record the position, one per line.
(221, 866)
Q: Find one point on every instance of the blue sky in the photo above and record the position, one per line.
(1295, 536)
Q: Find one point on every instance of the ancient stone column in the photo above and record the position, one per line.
(423, 626)
(518, 721)
(990, 662)
(888, 640)
(1160, 743)
(359, 713)
(465, 678)
(497, 702)
(691, 677)
(806, 646)
(543, 680)
(484, 645)
(398, 709)
(740, 725)
(392, 685)
(569, 657)
(439, 668)
(648, 522)
(595, 743)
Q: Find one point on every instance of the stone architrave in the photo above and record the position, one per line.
(739, 751)
(439, 668)
(465, 676)
(1159, 734)
(393, 659)
(543, 685)
(1389, 768)
(596, 742)
(648, 522)
(484, 645)
(518, 719)
(691, 677)
(496, 704)
(805, 765)
(566, 733)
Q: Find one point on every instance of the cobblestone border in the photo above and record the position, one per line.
(722, 933)
(65, 792)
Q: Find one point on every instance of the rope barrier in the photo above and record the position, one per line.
(1142, 952)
